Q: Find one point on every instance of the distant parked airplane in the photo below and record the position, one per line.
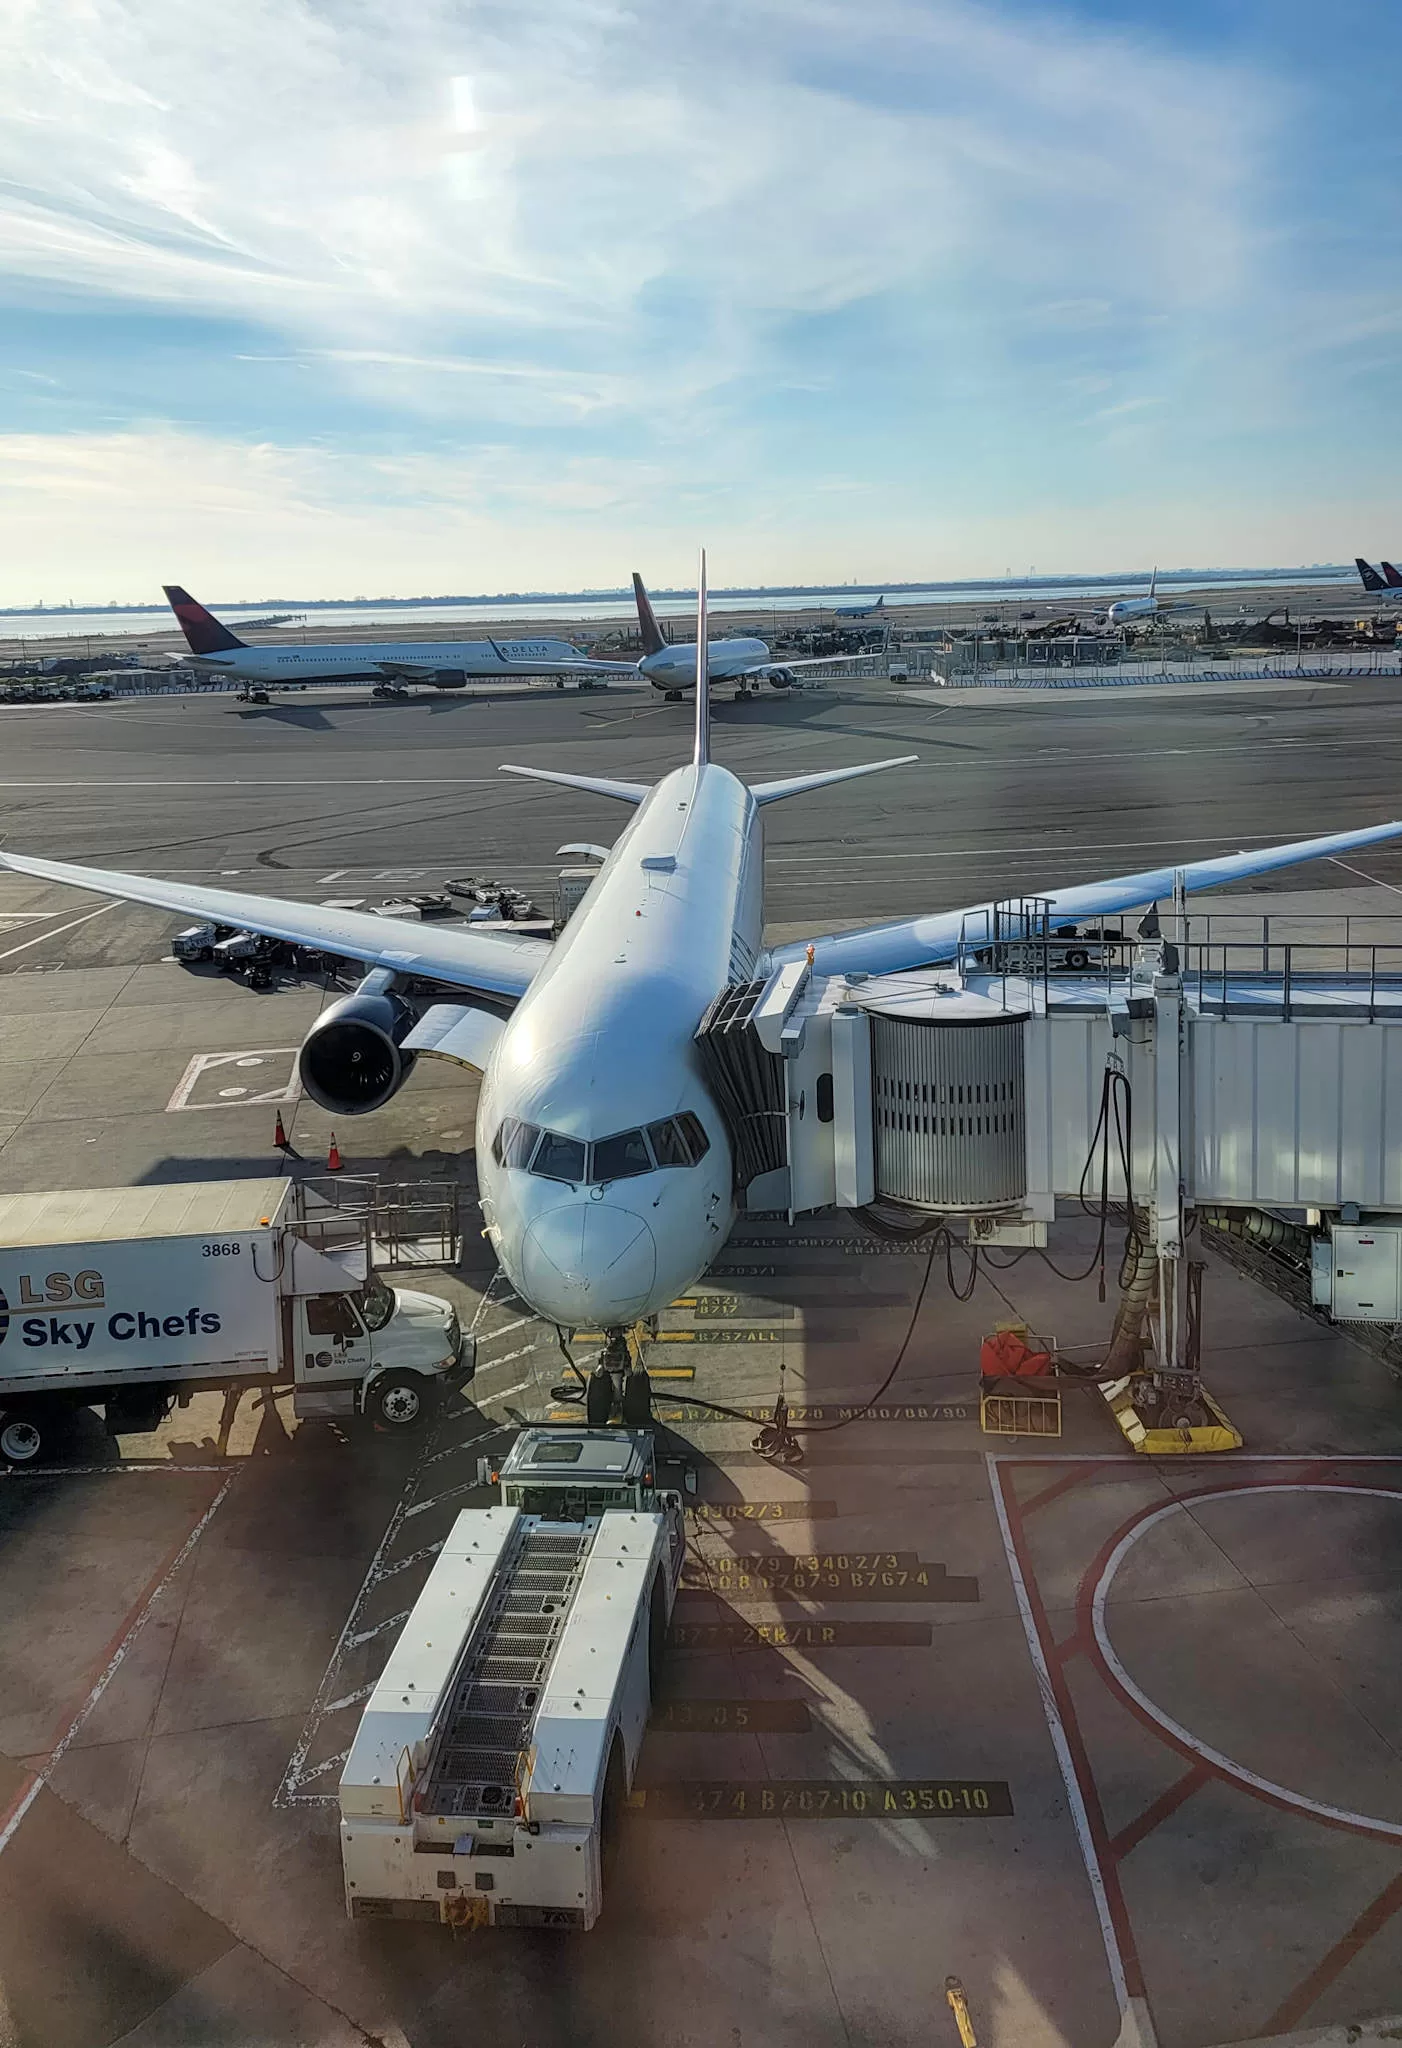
(743, 661)
(446, 664)
(1391, 579)
(1147, 607)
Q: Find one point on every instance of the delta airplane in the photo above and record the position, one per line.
(1150, 606)
(605, 1161)
(447, 664)
(743, 661)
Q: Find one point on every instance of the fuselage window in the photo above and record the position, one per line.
(694, 1132)
(619, 1157)
(559, 1158)
(668, 1143)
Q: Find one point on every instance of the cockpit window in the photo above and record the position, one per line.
(694, 1131)
(668, 1143)
(559, 1158)
(619, 1157)
(674, 1141)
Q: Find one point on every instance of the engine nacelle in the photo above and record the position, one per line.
(448, 678)
(352, 1059)
(780, 678)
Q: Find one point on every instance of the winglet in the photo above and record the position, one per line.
(648, 628)
(203, 632)
(703, 674)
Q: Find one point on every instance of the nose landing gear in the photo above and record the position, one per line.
(620, 1361)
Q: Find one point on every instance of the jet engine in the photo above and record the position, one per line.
(448, 678)
(352, 1060)
(780, 678)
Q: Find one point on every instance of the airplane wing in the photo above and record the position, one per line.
(422, 671)
(761, 668)
(501, 965)
(924, 941)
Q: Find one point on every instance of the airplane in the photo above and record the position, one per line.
(1150, 606)
(861, 611)
(604, 1158)
(446, 664)
(743, 660)
(1391, 579)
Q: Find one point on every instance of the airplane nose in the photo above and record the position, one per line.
(588, 1262)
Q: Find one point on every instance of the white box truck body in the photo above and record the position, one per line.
(131, 1297)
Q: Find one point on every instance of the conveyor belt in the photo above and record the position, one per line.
(488, 1722)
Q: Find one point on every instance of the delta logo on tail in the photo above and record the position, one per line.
(203, 632)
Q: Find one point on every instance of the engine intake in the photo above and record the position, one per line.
(351, 1060)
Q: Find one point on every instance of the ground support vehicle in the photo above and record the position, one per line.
(130, 1299)
(487, 1779)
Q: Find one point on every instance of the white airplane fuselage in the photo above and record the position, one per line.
(604, 1042)
(360, 661)
(1133, 608)
(674, 668)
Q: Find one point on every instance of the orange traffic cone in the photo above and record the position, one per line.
(334, 1161)
(280, 1135)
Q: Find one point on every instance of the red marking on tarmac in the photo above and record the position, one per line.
(1370, 1921)
(1068, 1480)
(1080, 1761)
(94, 1670)
(1159, 1811)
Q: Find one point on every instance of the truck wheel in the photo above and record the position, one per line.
(1078, 958)
(400, 1402)
(598, 1398)
(21, 1440)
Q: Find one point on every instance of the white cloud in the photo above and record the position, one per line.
(632, 194)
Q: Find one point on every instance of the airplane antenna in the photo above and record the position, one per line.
(703, 674)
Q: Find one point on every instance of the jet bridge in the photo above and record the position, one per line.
(1250, 1071)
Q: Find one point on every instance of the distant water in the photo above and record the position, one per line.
(779, 605)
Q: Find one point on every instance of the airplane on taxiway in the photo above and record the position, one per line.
(744, 661)
(1150, 606)
(446, 664)
(861, 611)
(604, 1158)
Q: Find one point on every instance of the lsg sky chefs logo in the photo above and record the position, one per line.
(81, 1298)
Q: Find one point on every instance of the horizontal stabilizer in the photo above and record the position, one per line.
(799, 785)
(597, 785)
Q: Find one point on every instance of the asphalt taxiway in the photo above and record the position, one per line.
(1120, 1731)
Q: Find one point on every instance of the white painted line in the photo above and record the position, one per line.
(509, 1358)
(57, 933)
(368, 1635)
(1080, 1819)
(1282, 1794)
(352, 1699)
(414, 1557)
(205, 1062)
(505, 1331)
(320, 1770)
(507, 1392)
(1374, 879)
(106, 1471)
(114, 1665)
(334, 876)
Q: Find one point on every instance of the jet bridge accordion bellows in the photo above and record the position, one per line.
(949, 1111)
(747, 1082)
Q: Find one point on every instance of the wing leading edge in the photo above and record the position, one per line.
(924, 941)
(498, 965)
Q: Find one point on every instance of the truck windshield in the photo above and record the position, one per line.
(376, 1303)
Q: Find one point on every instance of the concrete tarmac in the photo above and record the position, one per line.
(193, 1618)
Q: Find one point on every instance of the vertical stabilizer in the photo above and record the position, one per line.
(648, 628)
(203, 632)
(703, 674)
(1368, 575)
(1392, 576)
(1153, 581)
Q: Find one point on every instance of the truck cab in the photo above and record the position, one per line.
(380, 1351)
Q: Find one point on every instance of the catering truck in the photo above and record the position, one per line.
(488, 1776)
(130, 1299)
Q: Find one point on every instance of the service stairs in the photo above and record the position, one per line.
(491, 1709)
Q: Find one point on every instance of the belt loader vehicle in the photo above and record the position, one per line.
(488, 1774)
(132, 1298)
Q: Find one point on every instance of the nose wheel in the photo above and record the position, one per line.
(620, 1380)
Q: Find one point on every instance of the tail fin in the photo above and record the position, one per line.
(1368, 575)
(1153, 580)
(202, 630)
(703, 673)
(653, 643)
(1394, 580)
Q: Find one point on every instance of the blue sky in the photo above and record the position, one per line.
(335, 298)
